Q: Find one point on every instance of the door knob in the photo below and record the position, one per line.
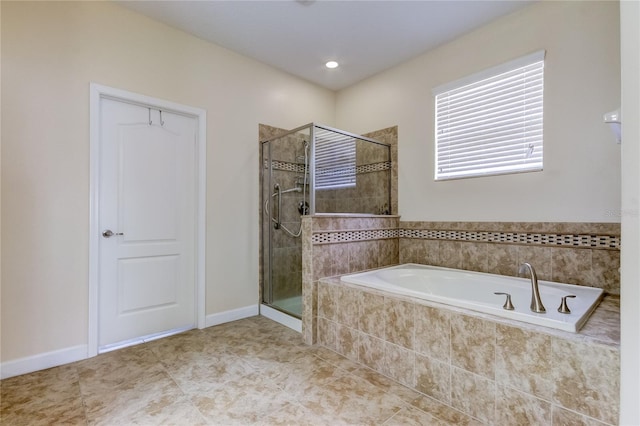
(109, 233)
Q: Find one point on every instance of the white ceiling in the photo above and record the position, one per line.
(365, 37)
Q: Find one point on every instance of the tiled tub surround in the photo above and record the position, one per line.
(573, 253)
(498, 371)
(482, 292)
(361, 242)
(495, 370)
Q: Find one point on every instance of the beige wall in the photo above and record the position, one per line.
(50, 53)
(581, 180)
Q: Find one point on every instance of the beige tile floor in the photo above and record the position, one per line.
(252, 371)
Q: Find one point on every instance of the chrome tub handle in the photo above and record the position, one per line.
(507, 304)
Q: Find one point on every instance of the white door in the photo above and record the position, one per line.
(147, 218)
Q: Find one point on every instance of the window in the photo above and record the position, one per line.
(335, 160)
(491, 123)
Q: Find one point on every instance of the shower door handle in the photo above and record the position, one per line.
(277, 223)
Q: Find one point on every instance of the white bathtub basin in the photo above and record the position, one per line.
(475, 291)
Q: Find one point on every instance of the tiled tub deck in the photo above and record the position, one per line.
(495, 370)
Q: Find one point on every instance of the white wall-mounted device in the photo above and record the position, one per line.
(614, 120)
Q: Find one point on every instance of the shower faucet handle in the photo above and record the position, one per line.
(507, 303)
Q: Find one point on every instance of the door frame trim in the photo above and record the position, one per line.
(96, 93)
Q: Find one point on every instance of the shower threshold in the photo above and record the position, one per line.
(279, 316)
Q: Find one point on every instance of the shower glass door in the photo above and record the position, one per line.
(285, 198)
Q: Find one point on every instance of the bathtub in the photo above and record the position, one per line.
(475, 291)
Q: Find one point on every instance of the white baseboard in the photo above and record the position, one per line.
(76, 353)
(232, 315)
(42, 361)
(282, 318)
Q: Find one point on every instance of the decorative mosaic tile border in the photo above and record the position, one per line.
(299, 168)
(565, 240)
(374, 167)
(329, 237)
(285, 166)
(557, 240)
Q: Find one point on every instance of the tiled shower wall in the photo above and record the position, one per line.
(287, 250)
(370, 195)
(288, 170)
(264, 132)
(390, 136)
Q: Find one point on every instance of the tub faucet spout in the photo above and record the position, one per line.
(536, 302)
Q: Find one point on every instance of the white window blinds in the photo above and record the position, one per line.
(335, 160)
(491, 123)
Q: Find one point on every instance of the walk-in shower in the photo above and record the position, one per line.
(313, 169)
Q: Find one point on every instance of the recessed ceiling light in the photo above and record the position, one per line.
(331, 64)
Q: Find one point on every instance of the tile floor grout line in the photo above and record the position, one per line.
(82, 401)
(225, 360)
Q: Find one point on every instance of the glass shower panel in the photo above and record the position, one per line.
(285, 198)
(313, 170)
(352, 173)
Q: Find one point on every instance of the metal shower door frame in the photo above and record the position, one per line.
(311, 193)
